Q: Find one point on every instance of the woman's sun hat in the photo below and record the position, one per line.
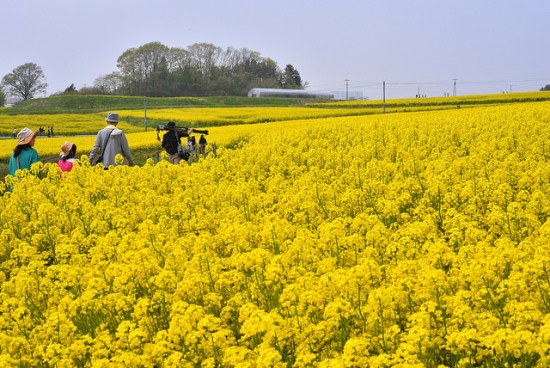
(25, 136)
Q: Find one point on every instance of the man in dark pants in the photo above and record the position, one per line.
(171, 140)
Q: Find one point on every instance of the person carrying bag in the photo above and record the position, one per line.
(171, 142)
(110, 141)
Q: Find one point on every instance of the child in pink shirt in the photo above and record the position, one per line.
(68, 153)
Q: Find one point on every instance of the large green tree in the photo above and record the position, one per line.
(138, 66)
(25, 81)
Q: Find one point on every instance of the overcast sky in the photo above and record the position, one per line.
(415, 46)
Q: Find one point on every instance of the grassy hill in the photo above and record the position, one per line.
(95, 103)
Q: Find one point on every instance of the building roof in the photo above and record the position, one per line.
(293, 92)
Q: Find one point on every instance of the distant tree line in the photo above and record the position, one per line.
(201, 69)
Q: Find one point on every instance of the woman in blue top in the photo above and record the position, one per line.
(24, 155)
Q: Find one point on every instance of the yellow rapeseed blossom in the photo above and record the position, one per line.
(402, 240)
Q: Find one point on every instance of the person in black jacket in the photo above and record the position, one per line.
(202, 145)
(171, 140)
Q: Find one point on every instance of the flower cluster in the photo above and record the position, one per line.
(418, 239)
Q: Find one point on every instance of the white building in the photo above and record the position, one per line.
(302, 93)
(289, 93)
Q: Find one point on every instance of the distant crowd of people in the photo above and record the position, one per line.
(110, 142)
(172, 144)
(41, 131)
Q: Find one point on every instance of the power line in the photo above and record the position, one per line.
(446, 83)
(440, 87)
(415, 83)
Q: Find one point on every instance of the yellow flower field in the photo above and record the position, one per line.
(71, 124)
(51, 146)
(63, 124)
(398, 240)
(214, 116)
(457, 100)
(81, 128)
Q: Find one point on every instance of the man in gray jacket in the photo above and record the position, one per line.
(109, 142)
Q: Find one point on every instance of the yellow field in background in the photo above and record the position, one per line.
(241, 115)
(63, 124)
(51, 146)
(411, 240)
(71, 124)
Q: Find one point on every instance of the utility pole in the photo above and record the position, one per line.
(145, 113)
(384, 95)
(454, 87)
(347, 80)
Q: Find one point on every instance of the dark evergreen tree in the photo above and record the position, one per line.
(70, 89)
(291, 78)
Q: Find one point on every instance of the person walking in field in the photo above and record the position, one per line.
(110, 141)
(214, 148)
(189, 145)
(171, 140)
(24, 155)
(202, 144)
